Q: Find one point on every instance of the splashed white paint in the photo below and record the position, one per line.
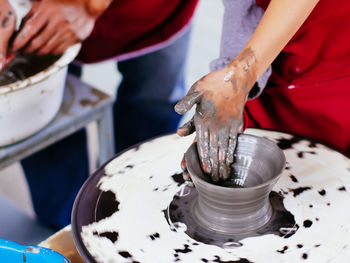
(140, 211)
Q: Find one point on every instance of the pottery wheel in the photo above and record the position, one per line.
(120, 214)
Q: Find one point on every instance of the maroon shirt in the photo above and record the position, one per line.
(129, 26)
(309, 90)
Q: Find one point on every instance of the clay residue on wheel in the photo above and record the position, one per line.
(24, 66)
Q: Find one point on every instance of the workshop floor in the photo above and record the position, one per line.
(17, 219)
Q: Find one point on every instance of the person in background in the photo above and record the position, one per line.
(307, 93)
(149, 39)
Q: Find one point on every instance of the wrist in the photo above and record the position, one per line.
(243, 69)
(93, 8)
(96, 8)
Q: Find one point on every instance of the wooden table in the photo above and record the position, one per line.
(63, 243)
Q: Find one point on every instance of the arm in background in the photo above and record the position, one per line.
(51, 26)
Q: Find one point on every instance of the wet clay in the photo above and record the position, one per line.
(99, 95)
(282, 222)
(244, 208)
(220, 97)
(24, 66)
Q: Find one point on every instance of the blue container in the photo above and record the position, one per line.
(11, 252)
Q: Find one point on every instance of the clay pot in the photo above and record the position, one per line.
(243, 205)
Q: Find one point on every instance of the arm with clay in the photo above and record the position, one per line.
(220, 96)
(51, 26)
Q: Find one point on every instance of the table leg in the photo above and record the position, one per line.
(105, 136)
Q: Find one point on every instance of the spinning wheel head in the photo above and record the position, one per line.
(240, 205)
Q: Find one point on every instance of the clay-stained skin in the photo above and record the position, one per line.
(6, 19)
(7, 27)
(220, 98)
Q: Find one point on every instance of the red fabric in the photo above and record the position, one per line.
(129, 25)
(309, 90)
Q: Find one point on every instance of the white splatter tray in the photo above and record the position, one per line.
(119, 212)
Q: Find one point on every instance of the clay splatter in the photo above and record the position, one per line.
(282, 250)
(284, 143)
(294, 179)
(342, 188)
(301, 153)
(112, 236)
(241, 260)
(154, 236)
(322, 192)
(299, 190)
(178, 178)
(125, 254)
(312, 144)
(307, 223)
(185, 250)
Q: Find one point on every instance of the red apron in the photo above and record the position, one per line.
(309, 91)
(131, 25)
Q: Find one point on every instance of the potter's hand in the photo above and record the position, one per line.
(7, 28)
(185, 174)
(220, 98)
(52, 26)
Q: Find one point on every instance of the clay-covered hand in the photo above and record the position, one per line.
(52, 26)
(220, 98)
(7, 28)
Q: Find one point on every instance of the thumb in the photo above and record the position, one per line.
(187, 102)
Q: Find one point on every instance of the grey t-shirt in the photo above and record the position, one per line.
(241, 17)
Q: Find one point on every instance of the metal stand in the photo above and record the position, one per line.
(81, 105)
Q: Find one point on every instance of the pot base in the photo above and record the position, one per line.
(181, 210)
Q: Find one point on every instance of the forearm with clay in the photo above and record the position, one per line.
(280, 22)
(220, 96)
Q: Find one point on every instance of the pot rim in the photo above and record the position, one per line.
(230, 189)
(66, 58)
